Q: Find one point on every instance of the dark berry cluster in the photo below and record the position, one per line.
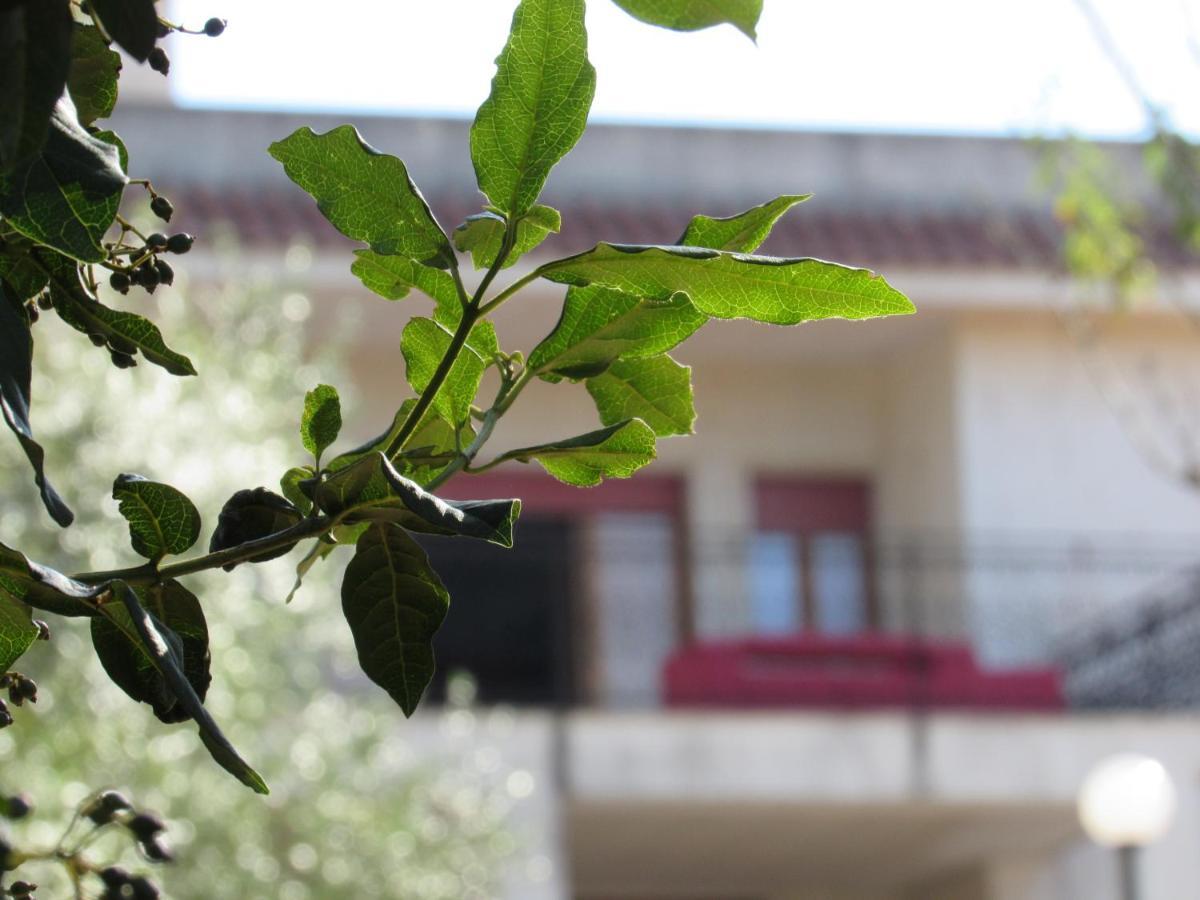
(21, 688)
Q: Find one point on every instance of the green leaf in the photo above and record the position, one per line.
(68, 195)
(252, 514)
(92, 80)
(538, 105)
(16, 370)
(743, 233)
(17, 631)
(692, 15)
(372, 490)
(735, 285)
(290, 484)
(179, 618)
(44, 588)
(35, 55)
(656, 390)
(131, 23)
(23, 277)
(392, 277)
(75, 305)
(367, 195)
(161, 519)
(322, 419)
(614, 452)
(599, 325)
(394, 603)
(166, 656)
(424, 343)
(483, 235)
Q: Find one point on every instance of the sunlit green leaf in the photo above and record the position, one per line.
(394, 603)
(367, 195)
(424, 343)
(656, 390)
(538, 104)
(482, 235)
(92, 80)
(614, 452)
(692, 15)
(743, 233)
(321, 420)
(289, 484)
(734, 285)
(17, 631)
(392, 277)
(161, 519)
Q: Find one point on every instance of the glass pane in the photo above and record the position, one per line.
(839, 582)
(774, 583)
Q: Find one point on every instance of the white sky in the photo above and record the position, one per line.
(919, 65)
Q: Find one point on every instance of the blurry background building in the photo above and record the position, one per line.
(862, 636)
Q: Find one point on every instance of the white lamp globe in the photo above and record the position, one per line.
(1127, 800)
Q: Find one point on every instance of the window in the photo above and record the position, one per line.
(809, 559)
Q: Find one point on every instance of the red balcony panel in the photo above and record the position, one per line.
(861, 672)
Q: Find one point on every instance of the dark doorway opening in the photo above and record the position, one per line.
(511, 619)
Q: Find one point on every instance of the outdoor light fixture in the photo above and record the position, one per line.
(1126, 802)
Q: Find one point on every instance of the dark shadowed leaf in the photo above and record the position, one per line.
(252, 514)
(734, 285)
(67, 196)
(92, 80)
(131, 23)
(179, 618)
(614, 452)
(367, 195)
(16, 355)
(322, 419)
(538, 104)
(482, 235)
(35, 55)
(44, 588)
(165, 655)
(161, 519)
(692, 15)
(656, 390)
(394, 603)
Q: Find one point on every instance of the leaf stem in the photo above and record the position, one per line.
(517, 285)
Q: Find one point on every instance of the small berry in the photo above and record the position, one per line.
(158, 60)
(5, 856)
(143, 888)
(157, 852)
(21, 688)
(180, 243)
(98, 339)
(166, 275)
(156, 241)
(32, 311)
(43, 630)
(147, 276)
(145, 826)
(44, 301)
(122, 360)
(163, 29)
(18, 807)
(162, 207)
(114, 876)
(214, 27)
(101, 808)
(122, 345)
(119, 282)
(6, 719)
(22, 889)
